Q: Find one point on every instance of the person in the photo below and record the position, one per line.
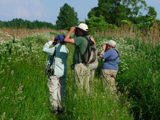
(93, 66)
(110, 66)
(57, 80)
(81, 70)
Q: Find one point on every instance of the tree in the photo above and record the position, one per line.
(151, 12)
(67, 17)
(114, 11)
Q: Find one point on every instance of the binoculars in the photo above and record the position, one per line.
(106, 47)
(75, 29)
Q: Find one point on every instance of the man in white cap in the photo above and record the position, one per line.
(110, 66)
(81, 71)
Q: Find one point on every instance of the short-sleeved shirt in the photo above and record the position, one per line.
(80, 47)
(60, 59)
(109, 57)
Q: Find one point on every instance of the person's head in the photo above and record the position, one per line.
(81, 30)
(59, 39)
(92, 38)
(111, 44)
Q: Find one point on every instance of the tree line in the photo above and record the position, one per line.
(108, 13)
(20, 23)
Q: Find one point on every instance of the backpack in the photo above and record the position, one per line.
(48, 69)
(90, 54)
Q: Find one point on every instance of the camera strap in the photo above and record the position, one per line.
(53, 56)
(116, 57)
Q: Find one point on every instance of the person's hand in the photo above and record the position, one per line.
(53, 39)
(104, 46)
(72, 29)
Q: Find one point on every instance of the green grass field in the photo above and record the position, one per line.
(24, 93)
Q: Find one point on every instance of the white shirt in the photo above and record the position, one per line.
(60, 60)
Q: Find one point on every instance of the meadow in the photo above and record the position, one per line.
(23, 85)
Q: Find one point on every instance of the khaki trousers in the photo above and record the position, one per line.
(92, 67)
(109, 79)
(81, 77)
(56, 87)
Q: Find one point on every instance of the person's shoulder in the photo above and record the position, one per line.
(113, 50)
(110, 50)
(79, 37)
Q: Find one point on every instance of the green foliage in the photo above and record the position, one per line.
(138, 76)
(23, 86)
(114, 11)
(141, 79)
(149, 22)
(67, 17)
(127, 22)
(111, 10)
(20, 23)
(98, 23)
(24, 93)
(151, 12)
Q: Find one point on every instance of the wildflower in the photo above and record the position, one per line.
(3, 89)
(19, 91)
(6, 97)
(112, 112)
(44, 104)
(12, 72)
(2, 71)
(21, 98)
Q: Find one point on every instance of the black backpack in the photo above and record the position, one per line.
(90, 54)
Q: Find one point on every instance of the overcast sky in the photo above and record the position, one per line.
(48, 10)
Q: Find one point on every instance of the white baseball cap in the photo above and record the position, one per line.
(112, 43)
(83, 26)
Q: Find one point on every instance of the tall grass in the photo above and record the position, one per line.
(149, 35)
(23, 86)
(138, 76)
(142, 81)
(7, 33)
(24, 94)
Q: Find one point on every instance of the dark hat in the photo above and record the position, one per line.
(60, 37)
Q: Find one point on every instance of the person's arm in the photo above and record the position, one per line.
(103, 50)
(67, 38)
(46, 49)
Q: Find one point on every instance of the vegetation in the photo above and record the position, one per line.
(23, 82)
(20, 23)
(23, 89)
(67, 17)
(23, 86)
(114, 11)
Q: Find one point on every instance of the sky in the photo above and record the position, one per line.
(48, 10)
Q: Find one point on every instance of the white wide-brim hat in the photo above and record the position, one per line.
(111, 42)
(83, 26)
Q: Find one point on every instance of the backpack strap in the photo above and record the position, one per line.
(87, 49)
